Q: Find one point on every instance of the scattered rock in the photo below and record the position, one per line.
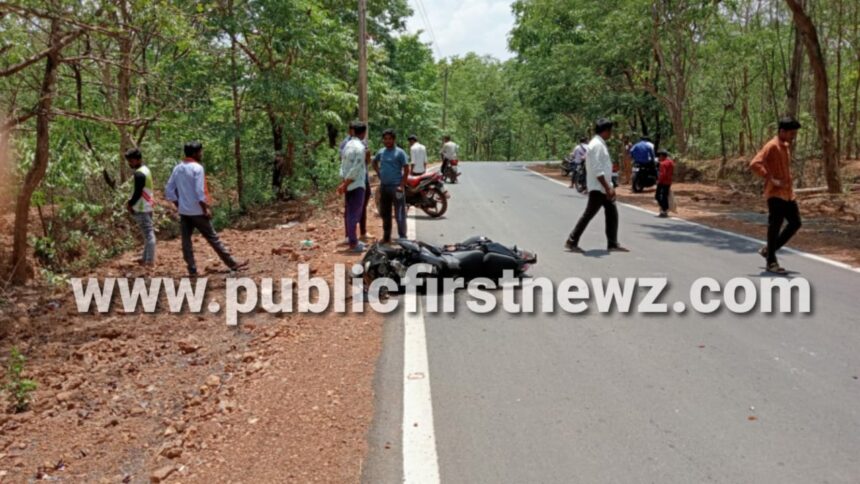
(226, 406)
(162, 473)
(188, 345)
(213, 380)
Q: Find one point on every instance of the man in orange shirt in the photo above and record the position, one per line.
(773, 163)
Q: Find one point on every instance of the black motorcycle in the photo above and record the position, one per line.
(644, 176)
(566, 166)
(579, 178)
(473, 258)
(450, 172)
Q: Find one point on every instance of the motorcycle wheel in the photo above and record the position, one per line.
(637, 185)
(438, 203)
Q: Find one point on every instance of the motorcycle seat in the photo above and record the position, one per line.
(413, 181)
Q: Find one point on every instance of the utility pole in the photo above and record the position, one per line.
(445, 98)
(362, 61)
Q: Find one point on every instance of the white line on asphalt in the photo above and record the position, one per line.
(420, 462)
(801, 253)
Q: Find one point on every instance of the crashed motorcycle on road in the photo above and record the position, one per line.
(477, 257)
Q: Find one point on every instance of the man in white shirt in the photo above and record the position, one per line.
(601, 194)
(449, 151)
(417, 156)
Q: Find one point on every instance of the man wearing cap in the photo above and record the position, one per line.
(664, 181)
(601, 194)
(417, 156)
(773, 163)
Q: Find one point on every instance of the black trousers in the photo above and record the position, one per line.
(187, 225)
(662, 196)
(780, 211)
(596, 201)
(390, 199)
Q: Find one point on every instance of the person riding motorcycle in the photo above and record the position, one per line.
(643, 151)
(449, 152)
(577, 157)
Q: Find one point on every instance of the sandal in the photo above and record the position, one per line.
(775, 268)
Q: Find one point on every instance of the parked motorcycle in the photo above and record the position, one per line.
(450, 173)
(566, 166)
(579, 179)
(644, 176)
(426, 192)
(473, 258)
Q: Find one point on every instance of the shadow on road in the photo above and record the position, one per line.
(692, 234)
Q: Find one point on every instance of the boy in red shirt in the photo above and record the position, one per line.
(664, 181)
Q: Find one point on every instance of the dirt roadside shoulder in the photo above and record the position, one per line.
(183, 397)
(830, 222)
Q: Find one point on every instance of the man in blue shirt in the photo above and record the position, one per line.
(392, 166)
(187, 189)
(643, 151)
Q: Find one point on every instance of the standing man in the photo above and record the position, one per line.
(601, 194)
(664, 182)
(393, 168)
(187, 189)
(417, 156)
(449, 152)
(354, 184)
(578, 157)
(141, 204)
(773, 163)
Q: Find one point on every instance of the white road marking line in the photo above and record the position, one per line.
(420, 461)
(801, 253)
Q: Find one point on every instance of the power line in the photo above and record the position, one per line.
(426, 19)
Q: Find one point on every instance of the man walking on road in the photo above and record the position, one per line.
(141, 204)
(417, 156)
(664, 181)
(601, 194)
(187, 189)
(773, 163)
(392, 166)
(354, 184)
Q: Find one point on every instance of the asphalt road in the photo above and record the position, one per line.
(560, 398)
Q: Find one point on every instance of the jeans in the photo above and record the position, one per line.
(662, 196)
(391, 198)
(187, 225)
(596, 201)
(144, 222)
(780, 211)
(354, 203)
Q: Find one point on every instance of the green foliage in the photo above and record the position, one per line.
(18, 388)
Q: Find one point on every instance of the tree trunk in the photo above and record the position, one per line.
(839, 38)
(795, 75)
(19, 267)
(278, 157)
(237, 124)
(822, 108)
(126, 44)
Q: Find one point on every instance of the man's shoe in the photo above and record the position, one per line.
(570, 246)
(618, 248)
(357, 248)
(763, 251)
(366, 237)
(240, 265)
(664, 215)
(775, 268)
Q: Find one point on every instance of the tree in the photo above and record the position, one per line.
(822, 96)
